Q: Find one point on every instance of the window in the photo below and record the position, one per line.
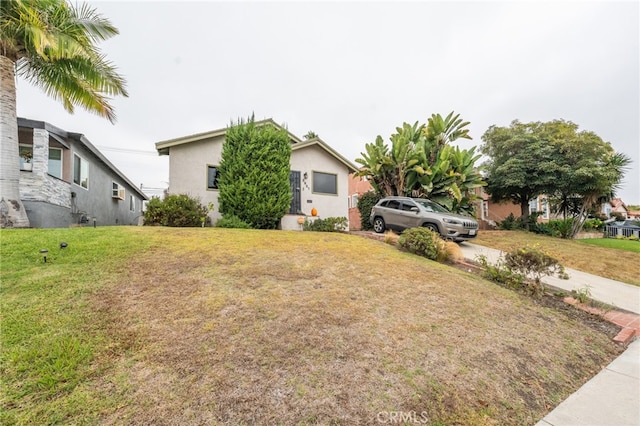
(354, 201)
(80, 172)
(393, 204)
(26, 156)
(533, 205)
(325, 183)
(55, 162)
(117, 191)
(406, 206)
(213, 174)
(485, 210)
(545, 208)
(132, 203)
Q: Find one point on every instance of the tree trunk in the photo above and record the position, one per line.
(524, 213)
(12, 212)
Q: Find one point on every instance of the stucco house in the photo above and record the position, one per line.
(490, 213)
(615, 205)
(65, 180)
(319, 174)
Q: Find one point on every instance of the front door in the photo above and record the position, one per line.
(294, 182)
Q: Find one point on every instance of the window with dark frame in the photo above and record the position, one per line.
(213, 174)
(325, 183)
(80, 172)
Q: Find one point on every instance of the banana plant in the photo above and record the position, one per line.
(421, 163)
(376, 166)
(386, 168)
(442, 131)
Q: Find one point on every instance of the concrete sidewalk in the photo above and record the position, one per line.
(612, 397)
(618, 295)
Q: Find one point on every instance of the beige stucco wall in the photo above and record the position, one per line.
(188, 165)
(310, 159)
(188, 175)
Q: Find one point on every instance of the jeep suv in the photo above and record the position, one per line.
(399, 213)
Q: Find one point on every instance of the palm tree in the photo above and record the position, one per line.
(51, 44)
(310, 135)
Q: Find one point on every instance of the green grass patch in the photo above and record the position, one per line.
(49, 337)
(627, 245)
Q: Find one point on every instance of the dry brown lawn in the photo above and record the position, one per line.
(615, 264)
(217, 326)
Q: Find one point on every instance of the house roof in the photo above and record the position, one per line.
(617, 202)
(59, 135)
(163, 146)
(296, 143)
(320, 143)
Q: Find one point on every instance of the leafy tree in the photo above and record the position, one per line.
(591, 171)
(53, 45)
(254, 174)
(521, 165)
(577, 169)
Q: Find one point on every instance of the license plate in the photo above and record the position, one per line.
(472, 232)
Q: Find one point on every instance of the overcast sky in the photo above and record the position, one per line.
(352, 70)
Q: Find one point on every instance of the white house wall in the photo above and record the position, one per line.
(310, 159)
(188, 166)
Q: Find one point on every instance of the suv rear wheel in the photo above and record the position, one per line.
(378, 225)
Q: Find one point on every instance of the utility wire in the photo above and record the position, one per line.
(128, 151)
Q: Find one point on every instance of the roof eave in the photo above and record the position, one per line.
(163, 146)
(317, 141)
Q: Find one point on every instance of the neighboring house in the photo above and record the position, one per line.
(65, 180)
(319, 175)
(490, 214)
(358, 185)
(616, 205)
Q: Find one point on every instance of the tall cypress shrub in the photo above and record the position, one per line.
(254, 174)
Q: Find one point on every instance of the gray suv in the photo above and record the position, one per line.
(399, 213)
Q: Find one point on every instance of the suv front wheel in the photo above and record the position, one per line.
(378, 225)
(432, 227)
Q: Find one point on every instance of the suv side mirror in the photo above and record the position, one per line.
(414, 209)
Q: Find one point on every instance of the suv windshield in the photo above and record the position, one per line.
(430, 206)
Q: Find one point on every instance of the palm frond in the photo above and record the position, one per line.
(53, 46)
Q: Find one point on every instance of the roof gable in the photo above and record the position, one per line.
(163, 146)
(320, 143)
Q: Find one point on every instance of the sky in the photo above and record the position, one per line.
(350, 71)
